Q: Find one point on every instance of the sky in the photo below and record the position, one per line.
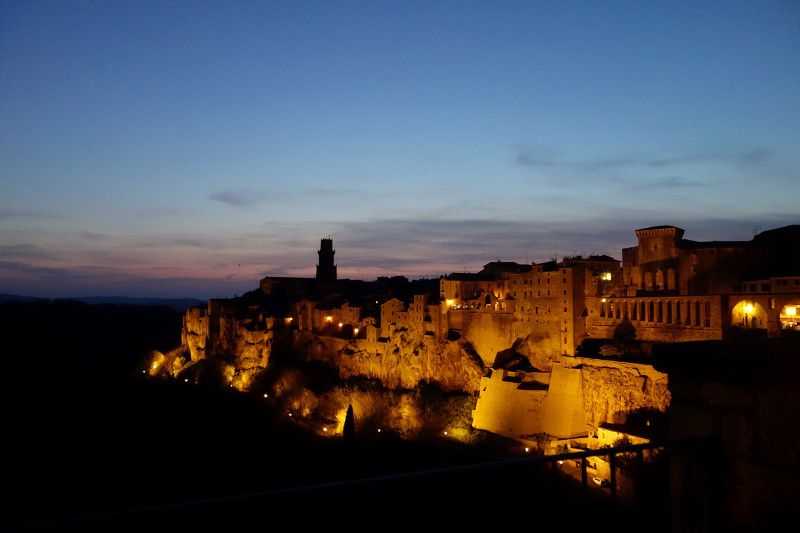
(187, 149)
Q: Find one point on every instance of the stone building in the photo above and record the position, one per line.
(544, 302)
(674, 289)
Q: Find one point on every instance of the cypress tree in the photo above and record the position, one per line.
(349, 430)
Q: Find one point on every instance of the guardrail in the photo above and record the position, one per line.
(397, 484)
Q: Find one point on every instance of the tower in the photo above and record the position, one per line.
(326, 269)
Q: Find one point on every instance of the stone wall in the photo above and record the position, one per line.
(504, 409)
(572, 402)
(488, 331)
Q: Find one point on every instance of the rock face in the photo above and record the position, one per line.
(213, 331)
(403, 361)
(612, 390)
(194, 335)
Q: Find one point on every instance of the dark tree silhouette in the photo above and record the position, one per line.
(349, 430)
(625, 332)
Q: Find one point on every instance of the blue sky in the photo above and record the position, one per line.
(188, 148)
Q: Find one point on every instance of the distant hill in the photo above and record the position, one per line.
(17, 298)
(179, 304)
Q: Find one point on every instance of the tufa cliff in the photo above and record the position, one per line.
(401, 361)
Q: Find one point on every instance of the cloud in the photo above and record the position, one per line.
(755, 157)
(751, 157)
(419, 246)
(535, 157)
(25, 251)
(546, 157)
(9, 214)
(235, 198)
(93, 236)
(675, 182)
(248, 198)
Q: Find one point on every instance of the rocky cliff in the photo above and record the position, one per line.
(242, 344)
(403, 361)
(612, 390)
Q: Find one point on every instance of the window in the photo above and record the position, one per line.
(565, 292)
(563, 280)
(765, 287)
(707, 315)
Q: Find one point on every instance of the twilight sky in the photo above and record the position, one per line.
(188, 148)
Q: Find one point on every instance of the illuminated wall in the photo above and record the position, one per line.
(488, 331)
(505, 409)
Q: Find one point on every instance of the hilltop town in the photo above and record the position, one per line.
(556, 353)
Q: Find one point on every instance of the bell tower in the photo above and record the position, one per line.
(326, 269)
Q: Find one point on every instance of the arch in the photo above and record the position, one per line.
(648, 281)
(749, 314)
(671, 279)
(790, 316)
(659, 280)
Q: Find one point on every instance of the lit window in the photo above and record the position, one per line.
(605, 276)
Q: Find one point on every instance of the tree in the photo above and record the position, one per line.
(349, 430)
(625, 332)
